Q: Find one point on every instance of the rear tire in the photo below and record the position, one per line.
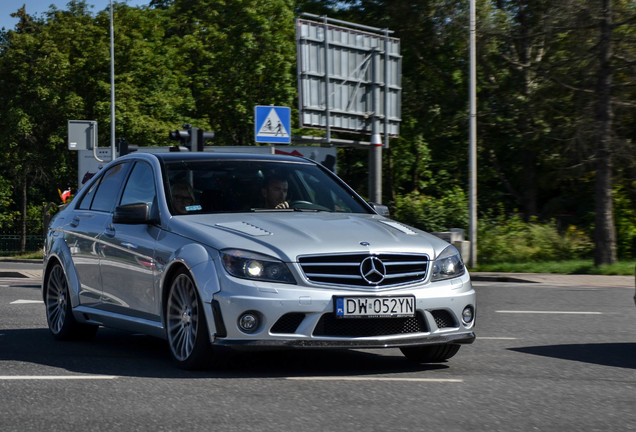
(430, 353)
(59, 314)
(186, 327)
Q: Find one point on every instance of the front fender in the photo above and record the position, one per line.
(199, 261)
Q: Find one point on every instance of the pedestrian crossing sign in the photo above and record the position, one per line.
(272, 124)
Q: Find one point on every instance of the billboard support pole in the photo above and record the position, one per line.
(375, 151)
(386, 88)
(327, 113)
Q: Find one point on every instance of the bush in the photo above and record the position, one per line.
(513, 240)
(433, 214)
(625, 219)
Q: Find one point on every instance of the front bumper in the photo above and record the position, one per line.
(438, 318)
(464, 338)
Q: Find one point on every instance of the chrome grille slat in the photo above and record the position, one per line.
(416, 275)
(406, 263)
(344, 269)
(327, 275)
(331, 264)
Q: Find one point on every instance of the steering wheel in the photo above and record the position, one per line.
(307, 205)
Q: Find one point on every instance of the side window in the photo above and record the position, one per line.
(109, 188)
(140, 187)
(85, 204)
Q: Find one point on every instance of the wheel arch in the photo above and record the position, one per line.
(198, 262)
(61, 254)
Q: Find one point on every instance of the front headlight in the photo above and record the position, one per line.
(448, 265)
(255, 266)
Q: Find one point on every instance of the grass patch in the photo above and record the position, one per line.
(625, 268)
(28, 255)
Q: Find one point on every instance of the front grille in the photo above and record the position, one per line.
(444, 319)
(348, 269)
(329, 325)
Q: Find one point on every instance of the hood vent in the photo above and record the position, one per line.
(398, 226)
(245, 228)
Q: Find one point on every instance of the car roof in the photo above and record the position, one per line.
(211, 156)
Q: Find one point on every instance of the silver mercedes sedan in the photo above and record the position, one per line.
(209, 250)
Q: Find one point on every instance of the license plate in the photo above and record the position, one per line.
(374, 307)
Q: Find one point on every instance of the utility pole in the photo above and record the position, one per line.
(472, 152)
(112, 84)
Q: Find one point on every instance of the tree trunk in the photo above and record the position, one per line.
(605, 231)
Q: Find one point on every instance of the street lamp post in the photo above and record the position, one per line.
(472, 152)
(112, 83)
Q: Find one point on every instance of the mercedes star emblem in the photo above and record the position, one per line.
(372, 270)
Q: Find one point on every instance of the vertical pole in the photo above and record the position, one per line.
(112, 84)
(386, 88)
(375, 151)
(472, 159)
(327, 113)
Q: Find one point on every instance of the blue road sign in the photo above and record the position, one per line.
(272, 124)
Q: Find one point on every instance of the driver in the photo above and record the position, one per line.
(274, 192)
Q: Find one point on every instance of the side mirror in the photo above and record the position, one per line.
(380, 209)
(137, 213)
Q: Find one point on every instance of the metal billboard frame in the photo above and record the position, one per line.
(349, 78)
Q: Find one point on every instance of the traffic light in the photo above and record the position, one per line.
(191, 137)
(124, 148)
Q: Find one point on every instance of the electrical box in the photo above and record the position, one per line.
(82, 134)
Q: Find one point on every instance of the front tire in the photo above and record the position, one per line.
(59, 314)
(186, 327)
(430, 353)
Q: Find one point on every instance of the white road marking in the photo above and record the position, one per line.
(317, 378)
(496, 338)
(26, 302)
(56, 377)
(549, 312)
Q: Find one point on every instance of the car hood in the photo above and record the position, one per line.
(288, 235)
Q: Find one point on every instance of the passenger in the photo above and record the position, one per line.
(182, 197)
(274, 192)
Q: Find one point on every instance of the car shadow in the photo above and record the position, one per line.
(113, 352)
(605, 354)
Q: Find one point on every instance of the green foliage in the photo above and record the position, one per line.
(625, 268)
(502, 239)
(625, 219)
(6, 191)
(433, 213)
(236, 54)
(209, 62)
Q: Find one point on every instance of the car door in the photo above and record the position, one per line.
(127, 262)
(86, 227)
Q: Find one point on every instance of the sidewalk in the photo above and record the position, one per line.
(556, 279)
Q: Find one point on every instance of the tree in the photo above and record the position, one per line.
(31, 71)
(605, 231)
(237, 55)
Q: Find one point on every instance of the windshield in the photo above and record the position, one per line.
(249, 186)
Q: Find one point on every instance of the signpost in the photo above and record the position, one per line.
(272, 124)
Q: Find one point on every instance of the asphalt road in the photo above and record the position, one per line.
(546, 358)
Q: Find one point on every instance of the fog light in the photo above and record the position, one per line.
(248, 322)
(468, 314)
